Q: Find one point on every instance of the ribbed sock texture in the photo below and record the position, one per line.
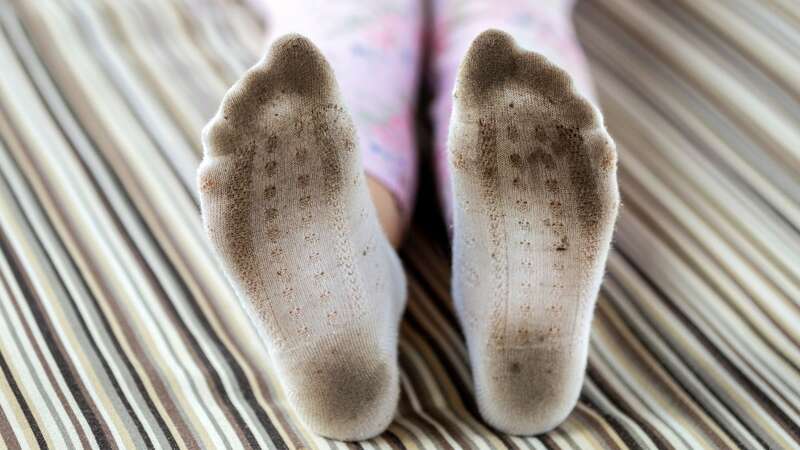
(534, 180)
(285, 204)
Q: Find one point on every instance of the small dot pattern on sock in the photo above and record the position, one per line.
(286, 206)
(544, 26)
(535, 201)
(371, 46)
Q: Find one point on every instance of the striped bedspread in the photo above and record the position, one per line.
(118, 329)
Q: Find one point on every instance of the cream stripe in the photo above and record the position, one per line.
(708, 167)
(36, 399)
(431, 388)
(691, 349)
(162, 192)
(434, 376)
(753, 43)
(42, 279)
(419, 436)
(13, 412)
(15, 323)
(609, 409)
(765, 123)
(209, 424)
(652, 401)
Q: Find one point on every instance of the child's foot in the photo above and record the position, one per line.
(534, 178)
(286, 205)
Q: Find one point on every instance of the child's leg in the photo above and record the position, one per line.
(374, 49)
(534, 200)
(286, 205)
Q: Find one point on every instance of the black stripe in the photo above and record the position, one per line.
(608, 391)
(70, 378)
(392, 439)
(37, 432)
(616, 425)
(125, 95)
(426, 424)
(454, 377)
(597, 10)
(426, 285)
(722, 166)
(216, 380)
(676, 377)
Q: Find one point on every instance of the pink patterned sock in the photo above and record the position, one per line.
(543, 26)
(374, 49)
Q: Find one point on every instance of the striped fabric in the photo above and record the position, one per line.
(118, 329)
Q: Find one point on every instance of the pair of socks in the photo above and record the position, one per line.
(376, 51)
(285, 203)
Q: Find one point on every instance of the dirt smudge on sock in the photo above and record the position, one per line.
(333, 143)
(568, 143)
(487, 155)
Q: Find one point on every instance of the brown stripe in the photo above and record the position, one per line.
(771, 408)
(581, 413)
(170, 407)
(7, 433)
(598, 379)
(26, 410)
(423, 397)
(79, 391)
(62, 400)
(621, 430)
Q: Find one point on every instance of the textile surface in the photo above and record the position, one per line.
(118, 329)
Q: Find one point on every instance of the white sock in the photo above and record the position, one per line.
(285, 203)
(534, 179)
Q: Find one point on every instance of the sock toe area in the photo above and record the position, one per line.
(298, 65)
(489, 61)
(293, 66)
(494, 59)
